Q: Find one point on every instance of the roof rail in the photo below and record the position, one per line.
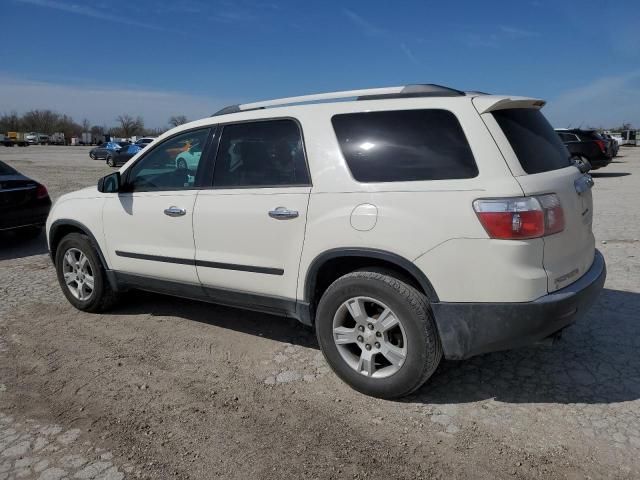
(407, 91)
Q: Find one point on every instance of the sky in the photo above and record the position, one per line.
(98, 59)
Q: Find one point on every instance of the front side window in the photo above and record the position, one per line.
(171, 165)
(261, 154)
(404, 146)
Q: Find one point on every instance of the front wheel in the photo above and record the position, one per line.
(81, 274)
(181, 164)
(110, 161)
(378, 334)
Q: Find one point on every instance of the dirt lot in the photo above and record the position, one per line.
(164, 388)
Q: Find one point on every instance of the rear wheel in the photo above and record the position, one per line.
(81, 274)
(92, 156)
(378, 334)
(110, 161)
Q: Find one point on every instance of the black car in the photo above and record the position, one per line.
(24, 203)
(102, 151)
(587, 145)
(122, 156)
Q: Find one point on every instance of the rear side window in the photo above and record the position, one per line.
(537, 146)
(405, 145)
(261, 154)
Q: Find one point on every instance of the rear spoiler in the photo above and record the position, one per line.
(489, 103)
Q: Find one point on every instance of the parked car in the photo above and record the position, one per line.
(587, 145)
(405, 225)
(24, 203)
(190, 158)
(144, 141)
(102, 151)
(122, 156)
(615, 145)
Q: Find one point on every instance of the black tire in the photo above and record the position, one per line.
(103, 297)
(181, 164)
(423, 352)
(110, 161)
(92, 156)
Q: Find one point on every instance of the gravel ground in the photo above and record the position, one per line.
(169, 388)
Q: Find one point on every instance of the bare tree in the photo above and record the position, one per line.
(177, 120)
(86, 125)
(130, 126)
(10, 122)
(41, 121)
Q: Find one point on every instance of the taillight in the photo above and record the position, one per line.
(41, 192)
(602, 146)
(520, 217)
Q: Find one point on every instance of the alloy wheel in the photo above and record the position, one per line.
(370, 337)
(78, 274)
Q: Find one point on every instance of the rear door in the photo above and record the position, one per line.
(249, 226)
(541, 164)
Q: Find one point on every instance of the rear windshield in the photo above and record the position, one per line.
(535, 143)
(6, 169)
(404, 145)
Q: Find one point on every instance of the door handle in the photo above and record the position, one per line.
(283, 213)
(175, 211)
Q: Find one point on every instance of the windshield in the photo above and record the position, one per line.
(535, 143)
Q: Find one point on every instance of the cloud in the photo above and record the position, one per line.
(606, 101)
(365, 26)
(409, 54)
(497, 38)
(514, 32)
(87, 11)
(102, 104)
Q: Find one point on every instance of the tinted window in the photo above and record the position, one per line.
(170, 165)
(261, 154)
(404, 145)
(6, 169)
(535, 143)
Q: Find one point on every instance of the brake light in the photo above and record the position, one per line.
(41, 192)
(520, 218)
(602, 146)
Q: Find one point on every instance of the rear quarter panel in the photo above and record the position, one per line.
(426, 222)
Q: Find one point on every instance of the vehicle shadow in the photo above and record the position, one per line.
(14, 246)
(278, 328)
(608, 174)
(596, 361)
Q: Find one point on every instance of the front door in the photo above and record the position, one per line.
(148, 225)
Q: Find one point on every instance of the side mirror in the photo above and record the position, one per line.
(109, 183)
(582, 163)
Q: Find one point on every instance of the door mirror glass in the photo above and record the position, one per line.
(109, 183)
(582, 163)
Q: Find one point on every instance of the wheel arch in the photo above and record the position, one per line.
(322, 272)
(62, 227)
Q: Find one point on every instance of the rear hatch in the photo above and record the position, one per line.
(545, 167)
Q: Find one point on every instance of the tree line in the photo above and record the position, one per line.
(49, 121)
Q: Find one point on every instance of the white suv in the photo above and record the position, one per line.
(404, 224)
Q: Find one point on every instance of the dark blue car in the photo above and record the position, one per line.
(122, 156)
(102, 151)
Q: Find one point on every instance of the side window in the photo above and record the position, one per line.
(171, 165)
(404, 145)
(261, 154)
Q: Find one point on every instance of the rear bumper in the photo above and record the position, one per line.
(468, 329)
